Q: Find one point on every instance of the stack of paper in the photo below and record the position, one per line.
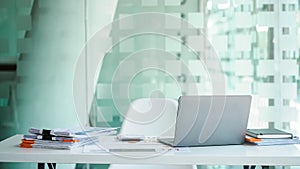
(63, 138)
(270, 137)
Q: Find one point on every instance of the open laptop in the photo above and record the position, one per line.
(210, 120)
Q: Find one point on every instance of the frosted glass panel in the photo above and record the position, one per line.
(149, 2)
(173, 45)
(172, 2)
(173, 23)
(196, 20)
(172, 90)
(202, 88)
(196, 43)
(127, 45)
(127, 68)
(106, 44)
(243, 20)
(241, 2)
(244, 88)
(220, 43)
(243, 42)
(197, 68)
(289, 114)
(104, 114)
(288, 90)
(286, 45)
(149, 89)
(149, 74)
(291, 2)
(263, 2)
(243, 68)
(265, 67)
(289, 67)
(217, 2)
(267, 90)
(103, 90)
(126, 23)
(173, 67)
(269, 114)
(288, 18)
(228, 67)
(124, 87)
(266, 19)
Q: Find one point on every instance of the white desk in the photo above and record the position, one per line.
(288, 155)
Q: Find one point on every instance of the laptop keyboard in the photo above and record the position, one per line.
(167, 140)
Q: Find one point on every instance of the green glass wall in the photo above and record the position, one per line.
(256, 43)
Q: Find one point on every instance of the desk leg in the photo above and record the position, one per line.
(249, 166)
(41, 165)
(50, 165)
(265, 167)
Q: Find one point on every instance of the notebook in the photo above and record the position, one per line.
(268, 133)
(210, 120)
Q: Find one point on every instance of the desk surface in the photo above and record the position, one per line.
(214, 155)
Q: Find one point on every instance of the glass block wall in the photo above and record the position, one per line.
(149, 64)
(263, 49)
(255, 41)
(15, 22)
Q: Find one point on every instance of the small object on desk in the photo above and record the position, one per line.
(268, 133)
(127, 137)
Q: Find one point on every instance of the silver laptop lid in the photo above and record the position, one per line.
(212, 120)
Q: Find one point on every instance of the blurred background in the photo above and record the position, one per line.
(256, 42)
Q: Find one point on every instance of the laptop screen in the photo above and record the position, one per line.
(212, 120)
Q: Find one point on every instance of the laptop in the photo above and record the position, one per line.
(210, 120)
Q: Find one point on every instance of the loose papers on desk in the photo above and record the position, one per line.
(64, 138)
(71, 132)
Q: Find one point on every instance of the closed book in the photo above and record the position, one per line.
(268, 133)
(271, 141)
